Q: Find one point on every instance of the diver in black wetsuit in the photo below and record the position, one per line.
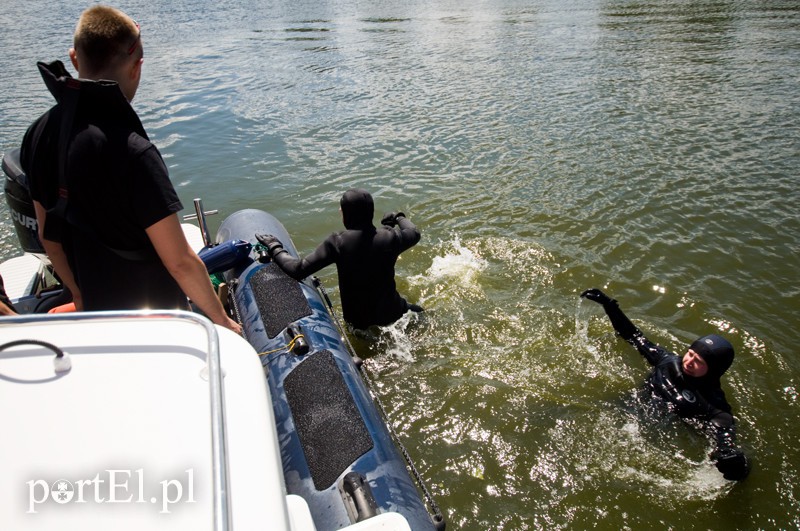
(691, 384)
(364, 258)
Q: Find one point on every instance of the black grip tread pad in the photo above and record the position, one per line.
(332, 433)
(279, 298)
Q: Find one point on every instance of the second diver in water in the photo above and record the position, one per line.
(691, 384)
(365, 257)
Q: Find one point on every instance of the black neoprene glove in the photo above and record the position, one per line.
(390, 218)
(598, 296)
(273, 244)
(733, 464)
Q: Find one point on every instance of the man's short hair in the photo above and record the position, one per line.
(105, 36)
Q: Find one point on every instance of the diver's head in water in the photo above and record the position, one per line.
(357, 209)
(709, 355)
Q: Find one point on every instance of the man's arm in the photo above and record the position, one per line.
(298, 268)
(729, 459)
(187, 269)
(409, 234)
(625, 328)
(622, 325)
(5, 310)
(58, 257)
(6, 307)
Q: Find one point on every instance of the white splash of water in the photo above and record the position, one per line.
(582, 328)
(394, 338)
(458, 262)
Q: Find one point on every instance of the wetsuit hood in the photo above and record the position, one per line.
(357, 209)
(716, 351)
(104, 96)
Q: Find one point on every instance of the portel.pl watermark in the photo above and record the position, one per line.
(113, 486)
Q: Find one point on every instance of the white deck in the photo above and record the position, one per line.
(20, 274)
(129, 429)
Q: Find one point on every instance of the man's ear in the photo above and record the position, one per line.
(73, 56)
(136, 69)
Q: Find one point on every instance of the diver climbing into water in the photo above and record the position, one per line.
(690, 384)
(365, 258)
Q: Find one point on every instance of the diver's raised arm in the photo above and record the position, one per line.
(622, 325)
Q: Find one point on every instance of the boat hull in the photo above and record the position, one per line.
(336, 449)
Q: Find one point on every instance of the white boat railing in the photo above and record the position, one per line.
(221, 504)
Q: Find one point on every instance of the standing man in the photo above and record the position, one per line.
(690, 384)
(106, 209)
(364, 258)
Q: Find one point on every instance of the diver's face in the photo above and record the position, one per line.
(694, 365)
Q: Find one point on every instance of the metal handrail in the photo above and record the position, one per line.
(219, 462)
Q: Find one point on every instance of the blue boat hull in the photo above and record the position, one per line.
(336, 450)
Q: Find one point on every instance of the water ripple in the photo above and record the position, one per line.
(647, 148)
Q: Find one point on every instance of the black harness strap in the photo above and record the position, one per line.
(69, 105)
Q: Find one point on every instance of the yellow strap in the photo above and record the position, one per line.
(287, 347)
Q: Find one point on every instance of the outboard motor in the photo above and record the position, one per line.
(20, 205)
(44, 291)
